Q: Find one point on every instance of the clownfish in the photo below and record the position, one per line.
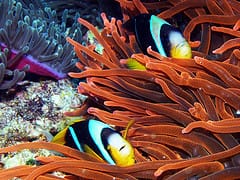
(98, 139)
(164, 38)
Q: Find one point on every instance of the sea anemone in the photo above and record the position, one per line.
(88, 9)
(35, 37)
(186, 111)
(9, 78)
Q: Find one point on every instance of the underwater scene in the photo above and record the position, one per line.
(119, 89)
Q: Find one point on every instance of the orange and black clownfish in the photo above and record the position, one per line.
(164, 38)
(99, 139)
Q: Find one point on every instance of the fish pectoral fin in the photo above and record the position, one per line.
(60, 137)
(134, 64)
(89, 150)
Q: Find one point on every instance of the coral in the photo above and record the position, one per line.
(37, 111)
(186, 112)
(24, 157)
(35, 37)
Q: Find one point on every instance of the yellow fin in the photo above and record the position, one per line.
(71, 120)
(59, 138)
(89, 150)
(130, 123)
(134, 64)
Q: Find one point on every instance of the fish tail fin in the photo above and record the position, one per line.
(60, 137)
(129, 25)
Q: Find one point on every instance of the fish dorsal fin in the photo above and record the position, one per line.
(155, 26)
(130, 123)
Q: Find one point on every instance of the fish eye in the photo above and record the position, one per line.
(121, 148)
